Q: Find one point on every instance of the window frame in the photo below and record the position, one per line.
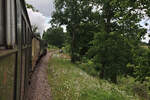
(23, 31)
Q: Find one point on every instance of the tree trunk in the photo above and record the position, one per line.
(72, 48)
(114, 79)
(101, 75)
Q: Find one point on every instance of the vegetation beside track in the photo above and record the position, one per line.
(69, 82)
(106, 38)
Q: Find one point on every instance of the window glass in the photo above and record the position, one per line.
(10, 23)
(2, 22)
(28, 36)
(13, 13)
(24, 35)
(24, 31)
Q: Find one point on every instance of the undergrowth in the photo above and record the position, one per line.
(68, 82)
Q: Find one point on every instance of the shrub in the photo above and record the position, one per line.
(135, 87)
(89, 67)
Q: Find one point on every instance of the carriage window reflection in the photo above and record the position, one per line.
(10, 23)
(2, 23)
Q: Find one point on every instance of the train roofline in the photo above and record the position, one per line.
(26, 13)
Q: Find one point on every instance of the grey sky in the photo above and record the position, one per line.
(41, 18)
(46, 7)
(146, 20)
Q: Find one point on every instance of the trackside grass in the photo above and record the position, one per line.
(68, 82)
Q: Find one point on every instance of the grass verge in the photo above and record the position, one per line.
(68, 82)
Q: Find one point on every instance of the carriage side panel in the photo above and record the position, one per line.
(7, 73)
(35, 51)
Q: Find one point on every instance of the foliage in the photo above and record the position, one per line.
(34, 28)
(52, 47)
(142, 64)
(135, 87)
(89, 67)
(75, 15)
(119, 36)
(108, 33)
(54, 36)
(68, 82)
(113, 49)
(31, 7)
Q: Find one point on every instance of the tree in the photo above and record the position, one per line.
(31, 7)
(34, 28)
(118, 38)
(73, 14)
(141, 64)
(108, 29)
(55, 36)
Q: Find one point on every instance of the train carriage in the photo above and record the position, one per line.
(39, 49)
(35, 50)
(16, 40)
(15, 48)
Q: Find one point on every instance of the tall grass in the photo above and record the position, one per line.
(68, 82)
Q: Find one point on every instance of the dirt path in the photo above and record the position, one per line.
(39, 88)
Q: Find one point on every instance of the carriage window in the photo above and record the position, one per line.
(23, 30)
(30, 37)
(2, 38)
(10, 23)
(27, 35)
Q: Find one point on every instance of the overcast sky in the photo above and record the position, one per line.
(146, 20)
(41, 18)
(46, 7)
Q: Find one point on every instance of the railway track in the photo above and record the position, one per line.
(39, 88)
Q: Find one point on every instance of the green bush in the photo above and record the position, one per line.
(66, 48)
(89, 67)
(135, 87)
(68, 82)
(52, 47)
